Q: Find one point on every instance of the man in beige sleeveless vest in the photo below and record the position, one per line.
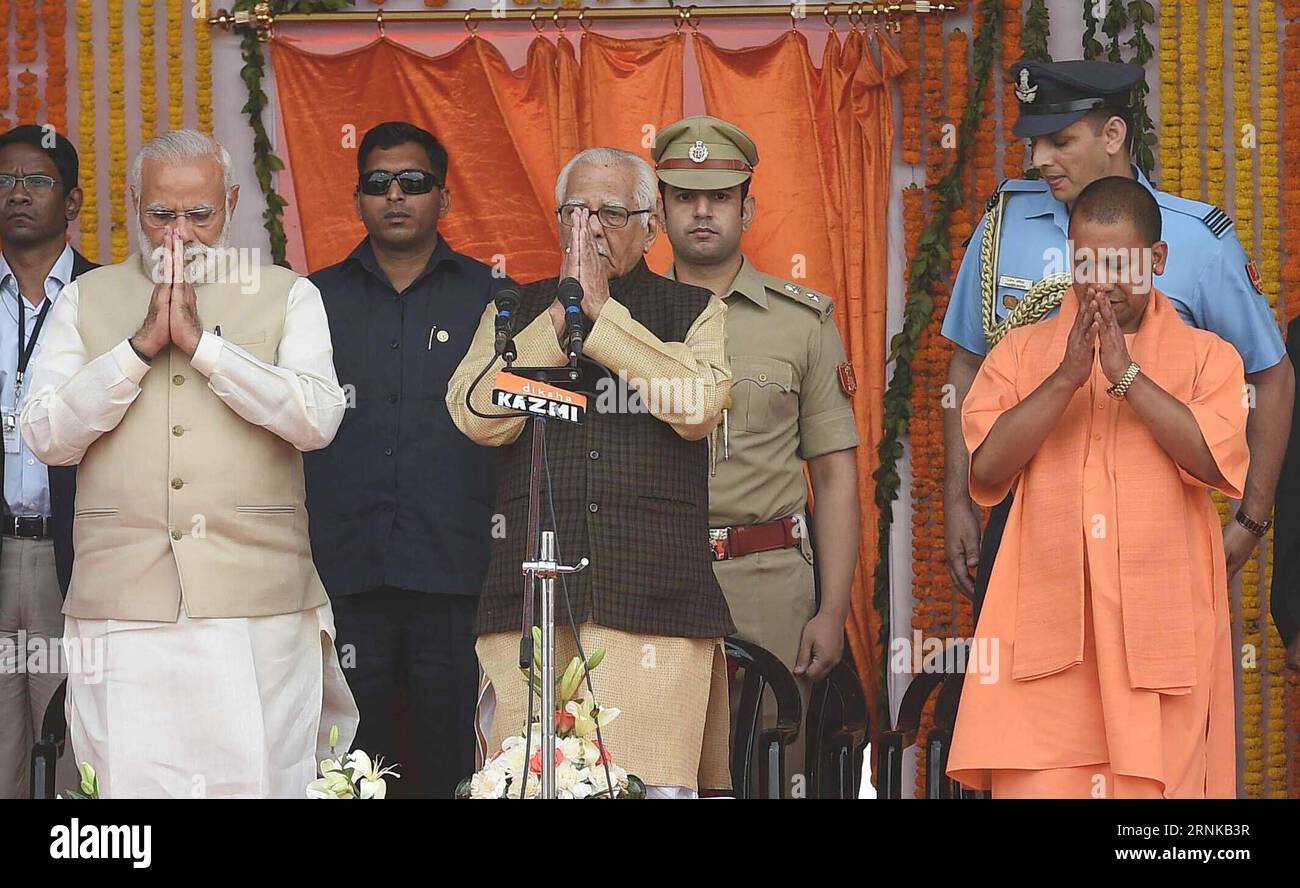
(185, 381)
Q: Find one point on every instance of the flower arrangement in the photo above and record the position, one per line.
(584, 767)
(909, 86)
(352, 775)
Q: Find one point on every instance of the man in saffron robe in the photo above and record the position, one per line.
(1107, 614)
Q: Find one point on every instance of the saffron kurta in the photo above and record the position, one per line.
(1140, 701)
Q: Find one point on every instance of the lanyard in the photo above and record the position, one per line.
(25, 351)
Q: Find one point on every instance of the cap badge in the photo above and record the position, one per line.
(1025, 91)
(699, 151)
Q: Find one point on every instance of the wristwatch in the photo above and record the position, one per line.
(1120, 389)
(1258, 528)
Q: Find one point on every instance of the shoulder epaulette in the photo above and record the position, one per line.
(818, 302)
(1213, 218)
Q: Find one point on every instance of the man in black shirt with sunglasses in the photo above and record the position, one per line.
(400, 503)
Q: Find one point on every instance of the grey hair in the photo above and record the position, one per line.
(645, 190)
(175, 146)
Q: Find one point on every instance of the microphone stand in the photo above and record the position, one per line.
(540, 565)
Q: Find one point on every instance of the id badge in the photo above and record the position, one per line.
(9, 424)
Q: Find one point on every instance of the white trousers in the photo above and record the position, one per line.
(211, 708)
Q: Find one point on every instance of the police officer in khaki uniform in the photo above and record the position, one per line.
(790, 404)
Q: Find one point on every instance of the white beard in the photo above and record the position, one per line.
(203, 263)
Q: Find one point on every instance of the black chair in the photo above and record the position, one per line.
(759, 671)
(49, 747)
(837, 735)
(889, 757)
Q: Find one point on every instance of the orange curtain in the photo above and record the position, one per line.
(630, 88)
(507, 133)
(825, 139)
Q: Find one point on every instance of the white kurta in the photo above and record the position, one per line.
(210, 708)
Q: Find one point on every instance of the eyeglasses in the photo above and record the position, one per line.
(610, 217)
(377, 182)
(200, 217)
(36, 182)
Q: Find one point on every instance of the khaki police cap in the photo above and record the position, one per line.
(703, 153)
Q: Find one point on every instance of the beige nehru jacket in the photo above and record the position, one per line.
(185, 498)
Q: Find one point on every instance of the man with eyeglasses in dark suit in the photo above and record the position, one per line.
(400, 503)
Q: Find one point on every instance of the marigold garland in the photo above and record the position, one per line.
(1171, 178)
(1013, 149)
(958, 86)
(116, 133)
(1189, 93)
(909, 90)
(203, 74)
(55, 16)
(985, 177)
(932, 43)
(4, 62)
(1244, 121)
(1216, 122)
(148, 71)
(175, 64)
(89, 218)
(1290, 185)
(28, 108)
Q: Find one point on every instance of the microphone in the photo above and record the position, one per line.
(507, 302)
(570, 296)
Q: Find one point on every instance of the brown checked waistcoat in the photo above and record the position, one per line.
(629, 494)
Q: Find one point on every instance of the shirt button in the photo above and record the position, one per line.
(593, 508)
(177, 484)
(178, 379)
(1101, 405)
(176, 534)
(595, 454)
(178, 430)
(1096, 437)
(392, 399)
(388, 451)
(393, 344)
(31, 462)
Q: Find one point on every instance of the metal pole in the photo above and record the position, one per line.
(548, 666)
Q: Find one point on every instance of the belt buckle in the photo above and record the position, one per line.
(720, 543)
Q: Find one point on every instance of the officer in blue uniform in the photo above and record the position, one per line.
(1017, 266)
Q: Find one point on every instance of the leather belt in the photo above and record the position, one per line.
(736, 542)
(28, 527)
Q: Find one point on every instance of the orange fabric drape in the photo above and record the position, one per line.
(507, 133)
(825, 139)
(629, 89)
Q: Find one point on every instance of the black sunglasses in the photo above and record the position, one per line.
(377, 182)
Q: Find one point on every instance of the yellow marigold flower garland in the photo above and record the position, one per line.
(175, 64)
(203, 73)
(1189, 93)
(148, 72)
(1216, 123)
(1244, 115)
(116, 133)
(1169, 154)
(89, 218)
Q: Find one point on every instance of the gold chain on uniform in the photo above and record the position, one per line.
(1039, 300)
